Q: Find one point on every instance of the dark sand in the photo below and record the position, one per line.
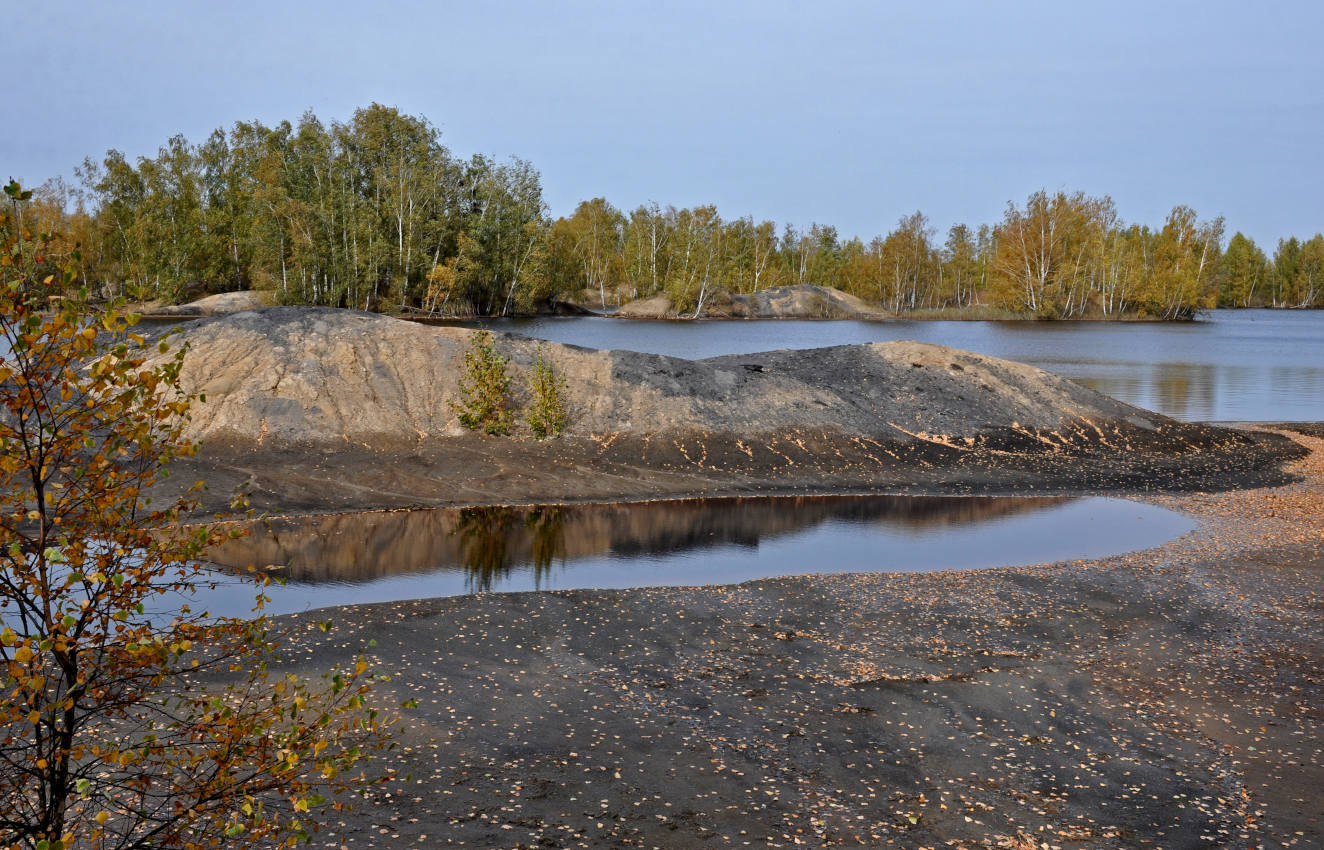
(1169, 698)
(479, 470)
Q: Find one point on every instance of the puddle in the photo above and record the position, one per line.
(381, 557)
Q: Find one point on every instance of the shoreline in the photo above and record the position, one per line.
(1170, 697)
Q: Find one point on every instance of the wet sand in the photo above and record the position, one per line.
(1169, 698)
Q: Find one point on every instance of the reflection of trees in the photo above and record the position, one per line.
(547, 524)
(1185, 390)
(489, 544)
(484, 545)
(492, 543)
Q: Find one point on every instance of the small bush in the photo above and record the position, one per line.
(547, 403)
(484, 402)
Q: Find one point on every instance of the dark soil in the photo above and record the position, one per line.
(1169, 698)
(495, 470)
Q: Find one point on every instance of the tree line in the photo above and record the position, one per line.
(375, 213)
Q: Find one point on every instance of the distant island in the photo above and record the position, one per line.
(375, 213)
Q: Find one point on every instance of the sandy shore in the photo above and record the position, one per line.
(1169, 698)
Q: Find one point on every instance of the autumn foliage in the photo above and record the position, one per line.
(129, 716)
(375, 213)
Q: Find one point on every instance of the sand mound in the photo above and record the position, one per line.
(307, 376)
(804, 301)
(657, 307)
(217, 305)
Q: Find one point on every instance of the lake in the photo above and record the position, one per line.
(393, 555)
(1231, 366)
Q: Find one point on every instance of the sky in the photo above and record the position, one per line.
(852, 114)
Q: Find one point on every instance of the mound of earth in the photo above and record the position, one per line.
(300, 376)
(803, 301)
(335, 382)
(656, 307)
(217, 305)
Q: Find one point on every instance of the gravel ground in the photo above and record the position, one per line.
(1167, 698)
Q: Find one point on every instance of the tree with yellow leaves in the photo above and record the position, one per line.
(1043, 252)
(129, 716)
(1185, 257)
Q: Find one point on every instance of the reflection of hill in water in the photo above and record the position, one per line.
(488, 541)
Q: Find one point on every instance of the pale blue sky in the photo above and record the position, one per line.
(851, 114)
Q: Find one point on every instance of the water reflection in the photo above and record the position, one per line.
(1183, 388)
(489, 550)
(375, 556)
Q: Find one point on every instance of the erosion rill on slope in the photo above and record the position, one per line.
(326, 409)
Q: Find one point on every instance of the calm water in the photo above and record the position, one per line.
(1236, 365)
(379, 557)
